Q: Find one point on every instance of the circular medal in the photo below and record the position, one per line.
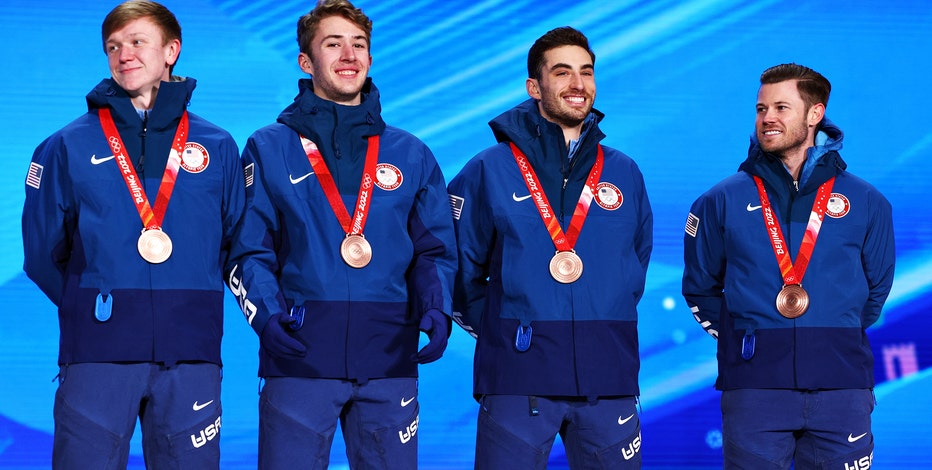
(566, 266)
(792, 301)
(154, 246)
(356, 251)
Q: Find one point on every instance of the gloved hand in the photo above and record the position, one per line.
(277, 341)
(437, 327)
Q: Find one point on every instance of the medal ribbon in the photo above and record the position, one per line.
(151, 217)
(794, 274)
(560, 241)
(355, 225)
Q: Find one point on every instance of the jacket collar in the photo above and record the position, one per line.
(170, 102)
(318, 119)
(541, 139)
(822, 161)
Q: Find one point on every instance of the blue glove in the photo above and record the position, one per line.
(278, 342)
(437, 327)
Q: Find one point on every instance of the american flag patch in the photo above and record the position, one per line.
(692, 224)
(34, 175)
(249, 173)
(456, 206)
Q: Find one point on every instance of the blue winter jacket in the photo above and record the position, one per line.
(584, 339)
(732, 278)
(360, 323)
(80, 228)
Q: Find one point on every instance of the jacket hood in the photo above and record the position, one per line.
(170, 102)
(544, 145)
(318, 119)
(524, 123)
(822, 160)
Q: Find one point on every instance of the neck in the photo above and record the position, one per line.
(794, 163)
(571, 133)
(145, 100)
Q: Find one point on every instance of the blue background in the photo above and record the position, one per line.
(677, 81)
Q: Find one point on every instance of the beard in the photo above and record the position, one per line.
(335, 93)
(795, 136)
(567, 117)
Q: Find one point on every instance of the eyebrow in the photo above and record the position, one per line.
(340, 36)
(561, 65)
(132, 35)
(775, 103)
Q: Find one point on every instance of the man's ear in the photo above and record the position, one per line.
(533, 88)
(305, 62)
(174, 50)
(816, 113)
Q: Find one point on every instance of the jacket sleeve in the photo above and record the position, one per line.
(254, 269)
(704, 256)
(644, 238)
(474, 238)
(430, 227)
(234, 199)
(878, 258)
(48, 220)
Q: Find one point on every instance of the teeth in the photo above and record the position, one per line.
(771, 132)
(575, 99)
(346, 73)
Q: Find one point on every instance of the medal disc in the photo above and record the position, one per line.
(154, 246)
(566, 267)
(792, 301)
(356, 251)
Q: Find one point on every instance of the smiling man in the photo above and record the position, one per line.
(552, 302)
(346, 253)
(787, 263)
(138, 282)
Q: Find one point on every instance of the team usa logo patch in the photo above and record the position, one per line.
(838, 206)
(608, 196)
(388, 176)
(194, 157)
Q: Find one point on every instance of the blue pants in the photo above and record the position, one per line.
(96, 406)
(517, 432)
(767, 429)
(298, 418)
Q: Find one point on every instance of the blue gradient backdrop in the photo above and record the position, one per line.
(677, 81)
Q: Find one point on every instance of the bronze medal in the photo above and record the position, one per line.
(154, 246)
(566, 267)
(356, 251)
(792, 301)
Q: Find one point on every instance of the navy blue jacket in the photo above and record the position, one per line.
(584, 334)
(80, 228)
(732, 278)
(361, 323)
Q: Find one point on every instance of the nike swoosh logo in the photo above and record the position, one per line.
(405, 403)
(855, 438)
(521, 198)
(623, 421)
(199, 407)
(98, 161)
(299, 179)
(752, 208)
